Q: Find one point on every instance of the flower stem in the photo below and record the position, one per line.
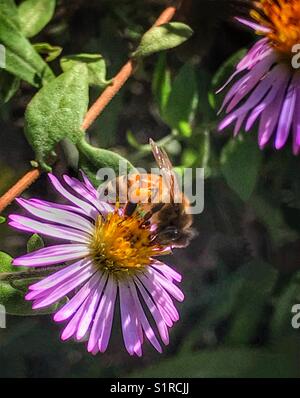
(9, 277)
(92, 114)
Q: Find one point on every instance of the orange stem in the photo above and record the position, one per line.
(92, 114)
(19, 187)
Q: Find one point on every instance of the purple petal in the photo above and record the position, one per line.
(108, 315)
(88, 313)
(241, 88)
(169, 272)
(129, 320)
(61, 275)
(50, 296)
(56, 215)
(160, 296)
(53, 205)
(86, 207)
(258, 52)
(143, 319)
(168, 285)
(280, 75)
(71, 327)
(52, 255)
(160, 323)
(55, 231)
(101, 329)
(83, 191)
(286, 117)
(253, 25)
(269, 117)
(71, 307)
(296, 124)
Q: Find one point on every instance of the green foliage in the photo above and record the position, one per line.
(9, 85)
(56, 112)
(251, 302)
(162, 38)
(240, 165)
(14, 283)
(9, 9)
(34, 15)
(15, 304)
(51, 52)
(2, 220)
(161, 83)
(35, 242)
(21, 58)
(92, 159)
(95, 64)
(226, 363)
(6, 263)
(182, 102)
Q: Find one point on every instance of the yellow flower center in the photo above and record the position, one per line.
(282, 17)
(123, 245)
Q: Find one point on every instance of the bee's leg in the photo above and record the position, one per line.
(154, 210)
(130, 208)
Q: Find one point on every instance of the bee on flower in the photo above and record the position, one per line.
(268, 89)
(110, 252)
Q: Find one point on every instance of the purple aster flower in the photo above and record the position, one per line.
(268, 88)
(109, 254)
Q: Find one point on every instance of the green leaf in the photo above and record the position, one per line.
(240, 165)
(95, 64)
(13, 287)
(34, 15)
(226, 362)
(51, 52)
(270, 215)
(204, 150)
(189, 157)
(183, 100)
(21, 58)
(2, 220)
(92, 159)
(251, 302)
(162, 38)
(6, 263)
(9, 10)
(15, 304)
(35, 242)
(131, 139)
(161, 83)
(56, 112)
(9, 85)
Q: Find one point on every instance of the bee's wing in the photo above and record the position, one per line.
(164, 163)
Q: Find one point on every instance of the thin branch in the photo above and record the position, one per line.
(92, 114)
(19, 187)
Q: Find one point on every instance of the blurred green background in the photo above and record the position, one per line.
(242, 272)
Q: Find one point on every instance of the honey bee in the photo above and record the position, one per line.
(159, 198)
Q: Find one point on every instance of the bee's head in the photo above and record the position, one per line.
(176, 237)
